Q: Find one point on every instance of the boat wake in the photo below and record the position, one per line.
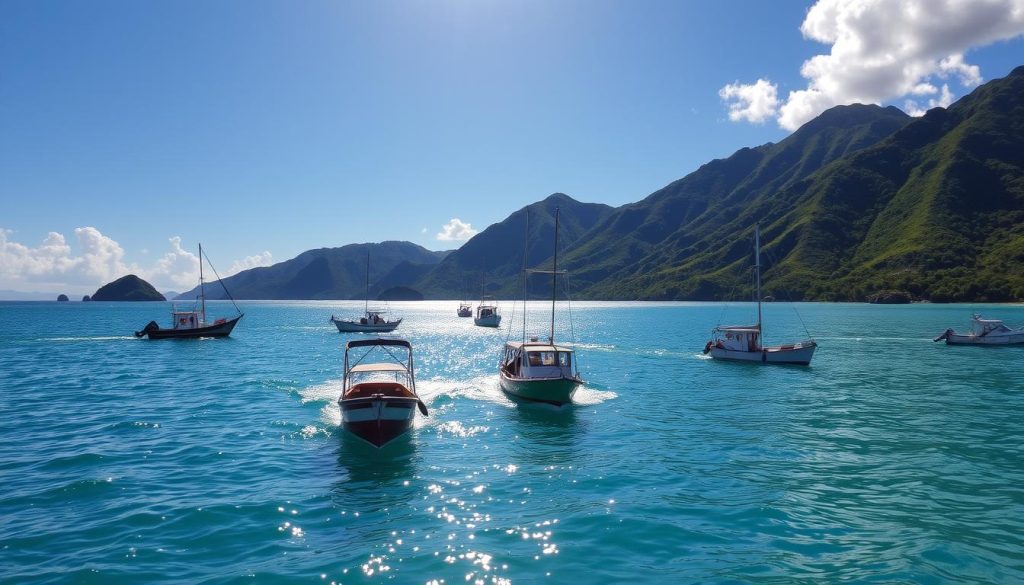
(588, 396)
(101, 338)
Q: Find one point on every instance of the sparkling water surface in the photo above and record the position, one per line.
(890, 459)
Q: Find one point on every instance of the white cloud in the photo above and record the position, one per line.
(754, 102)
(264, 259)
(456, 230)
(54, 266)
(53, 261)
(883, 50)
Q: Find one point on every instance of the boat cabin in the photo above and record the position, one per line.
(981, 327)
(373, 318)
(485, 311)
(537, 360)
(186, 319)
(738, 338)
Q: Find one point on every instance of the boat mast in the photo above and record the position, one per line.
(202, 289)
(366, 305)
(526, 249)
(554, 278)
(757, 270)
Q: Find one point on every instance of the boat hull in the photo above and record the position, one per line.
(378, 420)
(492, 321)
(217, 330)
(796, 355)
(557, 391)
(1011, 339)
(356, 327)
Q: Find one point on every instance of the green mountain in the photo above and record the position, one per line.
(935, 209)
(327, 273)
(494, 257)
(625, 256)
(860, 200)
(128, 288)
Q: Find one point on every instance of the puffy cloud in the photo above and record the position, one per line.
(52, 261)
(264, 259)
(883, 50)
(754, 102)
(456, 230)
(177, 269)
(53, 265)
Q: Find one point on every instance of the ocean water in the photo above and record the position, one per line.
(890, 459)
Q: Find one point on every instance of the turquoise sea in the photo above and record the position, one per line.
(890, 459)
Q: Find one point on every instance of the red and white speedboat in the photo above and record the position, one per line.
(378, 400)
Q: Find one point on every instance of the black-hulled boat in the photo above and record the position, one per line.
(191, 323)
(378, 400)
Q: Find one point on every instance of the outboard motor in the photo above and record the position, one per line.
(945, 335)
(707, 347)
(151, 326)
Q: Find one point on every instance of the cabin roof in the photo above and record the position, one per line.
(384, 367)
(537, 346)
(372, 342)
(739, 328)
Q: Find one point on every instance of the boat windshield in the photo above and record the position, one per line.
(549, 358)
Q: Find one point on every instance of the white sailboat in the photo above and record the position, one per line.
(540, 371)
(744, 342)
(373, 320)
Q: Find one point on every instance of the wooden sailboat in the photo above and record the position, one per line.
(535, 370)
(372, 321)
(743, 342)
(191, 323)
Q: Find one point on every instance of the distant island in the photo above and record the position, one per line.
(62, 298)
(128, 288)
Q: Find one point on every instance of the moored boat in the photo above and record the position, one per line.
(540, 371)
(487, 313)
(378, 400)
(372, 320)
(744, 342)
(191, 323)
(465, 309)
(984, 332)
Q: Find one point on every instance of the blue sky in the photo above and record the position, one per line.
(263, 129)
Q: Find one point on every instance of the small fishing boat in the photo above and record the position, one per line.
(487, 313)
(540, 371)
(191, 323)
(372, 321)
(984, 332)
(378, 400)
(465, 309)
(743, 342)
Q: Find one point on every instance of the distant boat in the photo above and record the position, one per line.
(487, 313)
(743, 342)
(372, 321)
(540, 371)
(984, 332)
(191, 323)
(378, 400)
(465, 309)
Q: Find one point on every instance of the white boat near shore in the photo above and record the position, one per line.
(984, 332)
